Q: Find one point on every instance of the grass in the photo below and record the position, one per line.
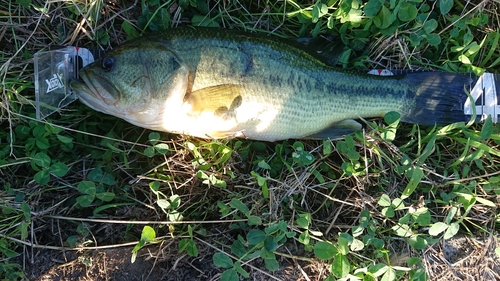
(393, 202)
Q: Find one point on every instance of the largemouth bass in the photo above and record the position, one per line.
(219, 83)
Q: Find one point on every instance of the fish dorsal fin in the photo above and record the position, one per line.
(220, 99)
(337, 130)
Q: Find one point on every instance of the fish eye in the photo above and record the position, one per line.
(107, 63)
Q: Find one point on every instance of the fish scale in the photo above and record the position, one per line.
(217, 83)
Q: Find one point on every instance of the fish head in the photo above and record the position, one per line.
(134, 82)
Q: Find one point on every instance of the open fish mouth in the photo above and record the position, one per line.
(95, 92)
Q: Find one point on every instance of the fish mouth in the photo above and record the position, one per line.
(95, 91)
(101, 95)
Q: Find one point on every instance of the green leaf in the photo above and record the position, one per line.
(378, 269)
(357, 231)
(384, 200)
(437, 228)
(261, 181)
(388, 212)
(327, 147)
(64, 139)
(486, 202)
(422, 216)
(270, 245)
(183, 244)
(201, 20)
(464, 59)
(240, 270)
(96, 175)
(373, 7)
(392, 118)
(402, 230)
(398, 204)
(254, 220)
(417, 242)
(270, 260)
(42, 177)
(42, 142)
(22, 131)
(237, 204)
(149, 152)
(87, 187)
(39, 131)
(23, 227)
(451, 214)
(383, 19)
(154, 185)
(433, 39)
(304, 220)
(318, 11)
(305, 238)
(445, 6)
(263, 164)
(300, 156)
(162, 148)
(324, 250)
(190, 247)
(389, 275)
(430, 26)
(413, 261)
(130, 30)
(331, 22)
(340, 266)
(255, 236)
(343, 245)
(407, 12)
(487, 128)
(175, 201)
(85, 200)
(41, 160)
(416, 174)
(148, 234)
(8, 252)
(451, 230)
(105, 196)
(25, 3)
(229, 275)
(238, 249)
(163, 203)
(25, 207)
(59, 169)
(357, 245)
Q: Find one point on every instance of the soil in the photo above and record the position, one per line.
(463, 258)
(155, 262)
(459, 258)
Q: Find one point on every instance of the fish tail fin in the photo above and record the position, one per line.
(439, 98)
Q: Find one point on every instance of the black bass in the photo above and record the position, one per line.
(219, 83)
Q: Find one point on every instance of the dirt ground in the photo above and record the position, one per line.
(463, 258)
(156, 262)
(460, 258)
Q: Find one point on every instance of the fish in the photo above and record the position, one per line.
(220, 83)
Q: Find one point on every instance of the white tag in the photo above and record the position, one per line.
(53, 71)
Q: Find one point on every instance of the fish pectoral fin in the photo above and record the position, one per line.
(219, 99)
(337, 130)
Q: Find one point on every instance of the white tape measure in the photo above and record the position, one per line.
(485, 97)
